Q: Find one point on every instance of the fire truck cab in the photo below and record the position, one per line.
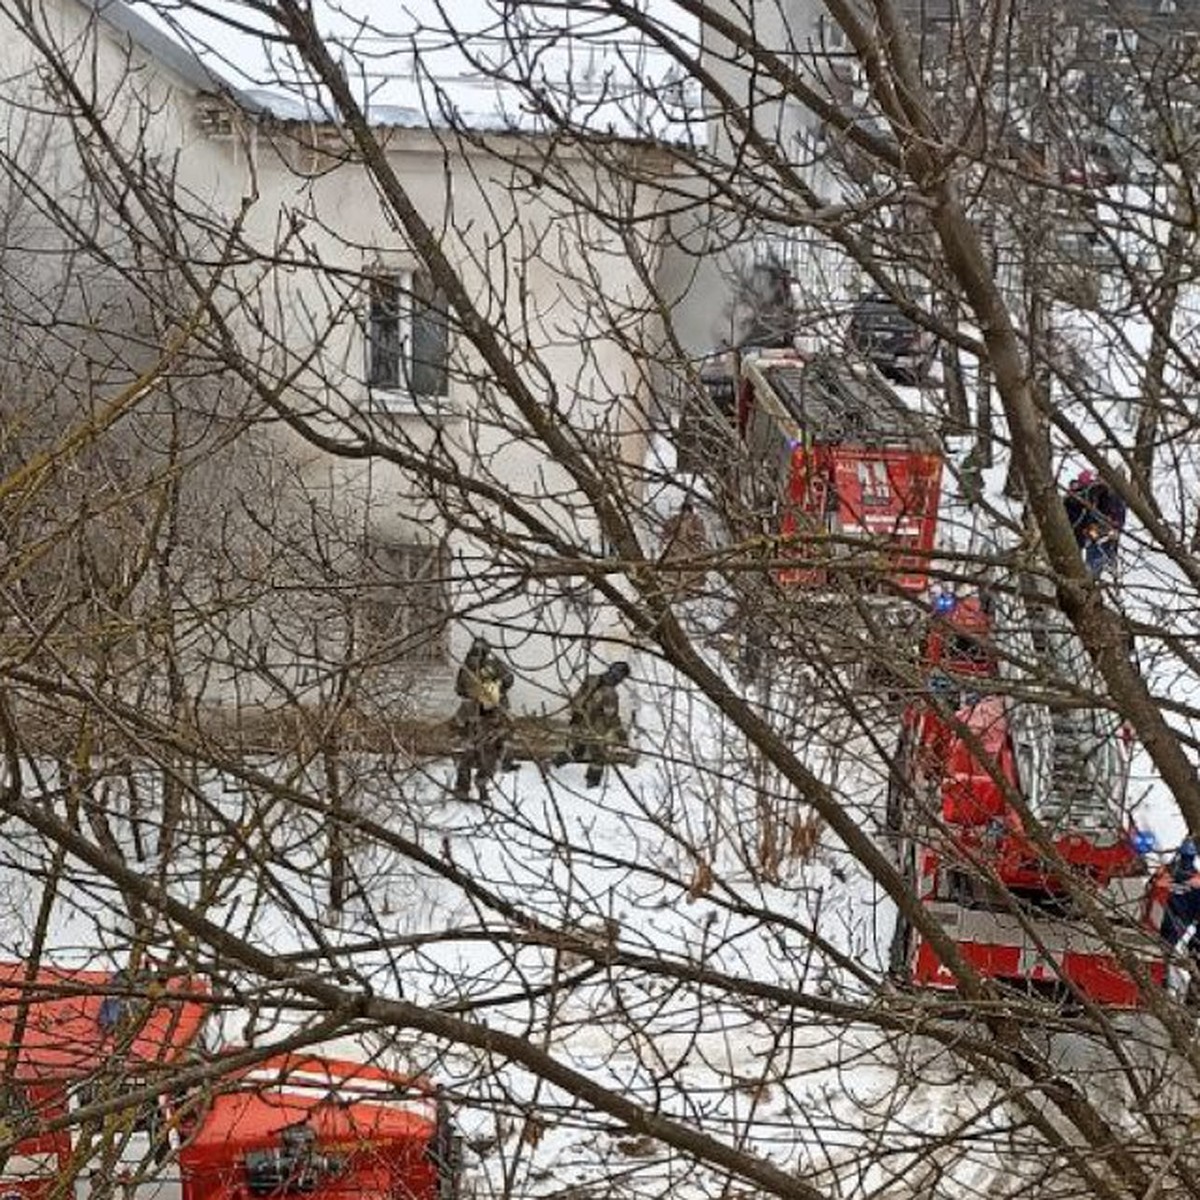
(114, 1044)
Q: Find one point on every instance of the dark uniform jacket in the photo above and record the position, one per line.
(483, 682)
(1095, 511)
(596, 711)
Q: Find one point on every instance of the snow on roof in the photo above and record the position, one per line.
(614, 87)
(159, 45)
(508, 112)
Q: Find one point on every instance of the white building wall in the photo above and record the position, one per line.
(335, 224)
(522, 261)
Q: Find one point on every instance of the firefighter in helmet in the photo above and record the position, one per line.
(1097, 516)
(1182, 910)
(596, 727)
(482, 720)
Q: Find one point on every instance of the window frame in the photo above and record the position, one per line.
(1118, 43)
(831, 37)
(1185, 45)
(404, 310)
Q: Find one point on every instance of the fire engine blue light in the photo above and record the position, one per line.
(944, 602)
(1144, 841)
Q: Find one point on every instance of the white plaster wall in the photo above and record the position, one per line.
(534, 274)
(533, 268)
(698, 279)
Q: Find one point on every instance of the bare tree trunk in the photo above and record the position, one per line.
(529, 546)
(958, 413)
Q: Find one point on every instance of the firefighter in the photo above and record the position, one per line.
(482, 719)
(1097, 516)
(1183, 905)
(596, 726)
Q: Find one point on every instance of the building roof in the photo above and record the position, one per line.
(164, 49)
(1115, 12)
(610, 101)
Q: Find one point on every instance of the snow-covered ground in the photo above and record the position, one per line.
(672, 910)
(679, 863)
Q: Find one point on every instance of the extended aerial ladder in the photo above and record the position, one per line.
(1084, 777)
(1023, 719)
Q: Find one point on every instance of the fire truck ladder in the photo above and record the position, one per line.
(1073, 770)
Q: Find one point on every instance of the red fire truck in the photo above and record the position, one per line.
(304, 1124)
(842, 469)
(289, 1125)
(964, 751)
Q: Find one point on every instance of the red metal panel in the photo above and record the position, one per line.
(970, 792)
(1099, 977)
(890, 496)
(379, 1123)
(63, 1040)
(30, 1188)
(1157, 895)
(63, 1037)
(800, 521)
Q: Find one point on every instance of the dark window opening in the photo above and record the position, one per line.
(384, 339)
(430, 339)
(408, 335)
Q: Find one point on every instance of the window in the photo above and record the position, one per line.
(1184, 46)
(1118, 43)
(404, 604)
(1066, 43)
(831, 36)
(408, 343)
